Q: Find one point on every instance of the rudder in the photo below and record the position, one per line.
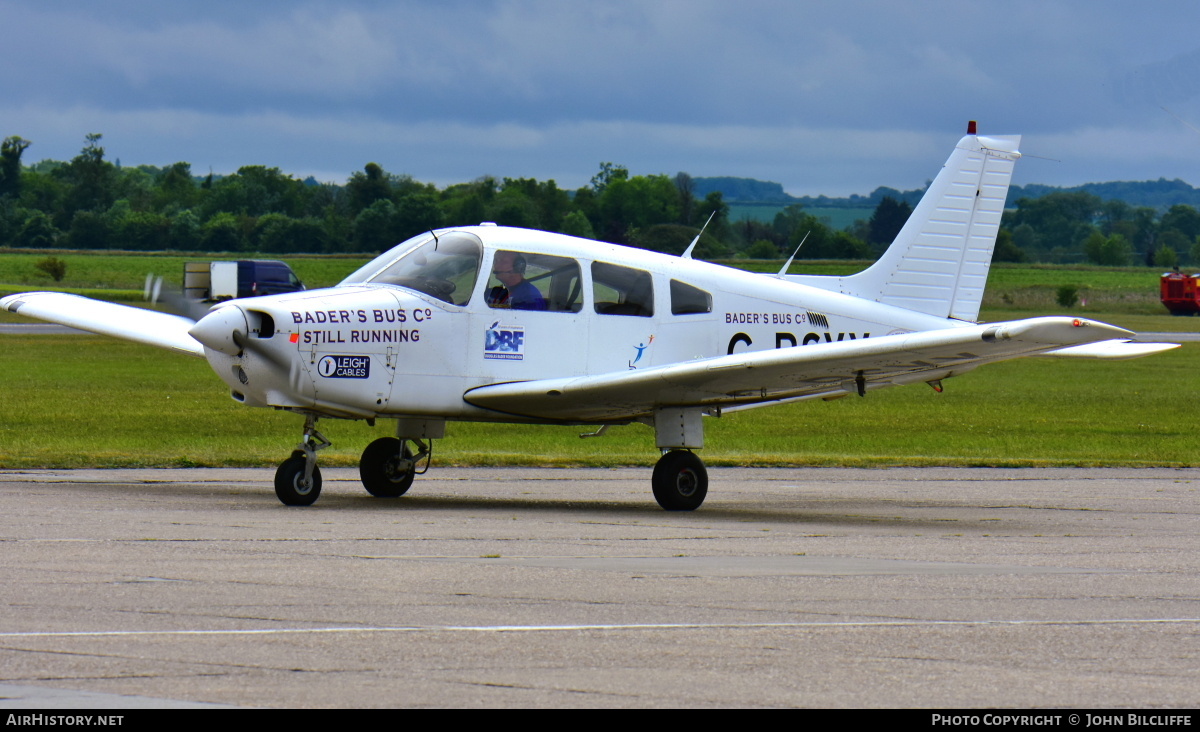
(938, 263)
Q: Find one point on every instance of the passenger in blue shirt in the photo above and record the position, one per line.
(517, 293)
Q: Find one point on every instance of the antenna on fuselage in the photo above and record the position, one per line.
(783, 271)
(687, 253)
(435, 239)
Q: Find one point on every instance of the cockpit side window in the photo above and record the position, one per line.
(530, 281)
(444, 267)
(619, 290)
(689, 300)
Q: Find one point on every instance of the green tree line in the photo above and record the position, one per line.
(1082, 227)
(90, 202)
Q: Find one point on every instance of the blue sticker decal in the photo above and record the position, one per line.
(641, 349)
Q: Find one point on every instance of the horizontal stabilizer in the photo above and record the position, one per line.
(120, 321)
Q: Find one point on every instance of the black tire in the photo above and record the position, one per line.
(379, 468)
(289, 482)
(680, 481)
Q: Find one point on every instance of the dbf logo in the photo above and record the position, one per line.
(505, 342)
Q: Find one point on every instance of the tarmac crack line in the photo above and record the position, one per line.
(555, 689)
(224, 668)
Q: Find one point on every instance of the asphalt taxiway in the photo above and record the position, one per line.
(564, 588)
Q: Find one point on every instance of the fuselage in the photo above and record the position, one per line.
(409, 333)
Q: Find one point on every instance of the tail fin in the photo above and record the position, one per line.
(939, 262)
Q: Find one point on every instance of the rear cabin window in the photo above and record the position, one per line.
(620, 290)
(688, 300)
(529, 281)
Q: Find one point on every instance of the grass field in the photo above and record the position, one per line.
(122, 277)
(127, 271)
(83, 401)
(1103, 291)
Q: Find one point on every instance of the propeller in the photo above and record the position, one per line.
(223, 328)
(226, 329)
(172, 299)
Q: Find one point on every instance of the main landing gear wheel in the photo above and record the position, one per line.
(680, 481)
(290, 484)
(387, 468)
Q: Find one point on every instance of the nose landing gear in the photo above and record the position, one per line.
(298, 479)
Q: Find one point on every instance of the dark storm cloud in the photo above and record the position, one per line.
(824, 97)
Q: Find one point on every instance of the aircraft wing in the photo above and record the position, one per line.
(121, 321)
(825, 370)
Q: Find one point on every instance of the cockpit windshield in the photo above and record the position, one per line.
(444, 266)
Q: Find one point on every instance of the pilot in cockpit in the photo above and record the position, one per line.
(515, 292)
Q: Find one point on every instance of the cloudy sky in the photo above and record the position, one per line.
(823, 97)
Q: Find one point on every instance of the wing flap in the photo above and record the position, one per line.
(790, 373)
(120, 321)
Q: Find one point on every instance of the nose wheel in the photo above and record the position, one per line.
(298, 479)
(294, 485)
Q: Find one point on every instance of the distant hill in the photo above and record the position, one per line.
(750, 190)
(746, 190)
(1159, 194)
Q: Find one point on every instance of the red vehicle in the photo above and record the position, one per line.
(1180, 293)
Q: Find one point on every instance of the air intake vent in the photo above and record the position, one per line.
(265, 326)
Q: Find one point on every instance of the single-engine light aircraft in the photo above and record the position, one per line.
(495, 324)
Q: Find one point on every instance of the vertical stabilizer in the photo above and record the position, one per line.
(939, 262)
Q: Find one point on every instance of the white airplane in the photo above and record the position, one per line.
(495, 324)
